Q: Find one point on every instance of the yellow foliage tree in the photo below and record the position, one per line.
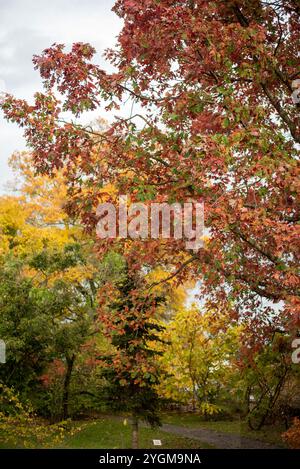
(35, 220)
(199, 357)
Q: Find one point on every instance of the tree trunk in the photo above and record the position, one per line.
(67, 381)
(135, 433)
(194, 400)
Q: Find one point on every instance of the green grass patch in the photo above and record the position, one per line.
(109, 432)
(113, 434)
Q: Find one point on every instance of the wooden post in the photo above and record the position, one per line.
(135, 432)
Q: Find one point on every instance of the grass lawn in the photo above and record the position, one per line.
(110, 433)
(270, 433)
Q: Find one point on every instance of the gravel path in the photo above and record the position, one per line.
(217, 439)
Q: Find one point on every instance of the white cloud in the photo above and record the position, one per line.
(29, 26)
(2, 86)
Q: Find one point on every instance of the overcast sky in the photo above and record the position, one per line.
(29, 26)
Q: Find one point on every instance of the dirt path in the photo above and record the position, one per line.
(217, 439)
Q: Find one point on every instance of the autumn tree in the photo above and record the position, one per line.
(49, 279)
(270, 383)
(200, 359)
(214, 82)
(131, 369)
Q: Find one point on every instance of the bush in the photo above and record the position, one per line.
(20, 427)
(292, 435)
